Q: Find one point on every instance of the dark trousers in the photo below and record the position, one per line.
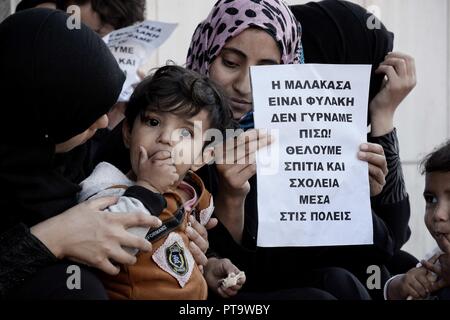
(51, 283)
(320, 284)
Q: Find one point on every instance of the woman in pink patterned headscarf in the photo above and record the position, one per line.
(236, 35)
(240, 33)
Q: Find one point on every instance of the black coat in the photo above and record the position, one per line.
(59, 82)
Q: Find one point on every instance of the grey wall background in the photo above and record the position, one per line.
(422, 29)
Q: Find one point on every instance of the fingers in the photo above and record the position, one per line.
(135, 220)
(399, 66)
(199, 256)
(229, 292)
(389, 71)
(143, 156)
(372, 148)
(410, 62)
(425, 284)
(107, 267)
(377, 174)
(211, 223)
(197, 226)
(434, 258)
(243, 146)
(412, 292)
(228, 267)
(419, 288)
(374, 155)
(102, 203)
(445, 243)
(121, 256)
(236, 174)
(132, 241)
(438, 285)
(223, 292)
(195, 237)
(431, 267)
(397, 63)
(248, 171)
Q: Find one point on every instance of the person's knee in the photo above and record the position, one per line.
(344, 285)
(61, 281)
(82, 284)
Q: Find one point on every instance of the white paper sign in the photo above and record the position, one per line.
(312, 189)
(132, 45)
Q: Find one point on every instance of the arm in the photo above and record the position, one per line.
(392, 204)
(233, 176)
(82, 234)
(21, 256)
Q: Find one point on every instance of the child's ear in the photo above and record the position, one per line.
(205, 157)
(126, 133)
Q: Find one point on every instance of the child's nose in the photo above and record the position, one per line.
(165, 136)
(442, 213)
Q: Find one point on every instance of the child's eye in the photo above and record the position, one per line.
(430, 198)
(185, 133)
(152, 122)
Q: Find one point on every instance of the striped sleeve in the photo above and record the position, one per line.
(394, 190)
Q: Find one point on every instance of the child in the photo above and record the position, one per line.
(427, 278)
(165, 121)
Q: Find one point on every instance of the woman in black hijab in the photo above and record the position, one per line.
(59, 85)
(340, 32)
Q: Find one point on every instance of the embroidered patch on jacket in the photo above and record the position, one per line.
(174, 258)
(206, 214)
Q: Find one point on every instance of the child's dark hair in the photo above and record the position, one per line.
(179, 91)
(438, 160)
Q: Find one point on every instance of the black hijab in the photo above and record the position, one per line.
(336, 32)
(29, 4)
(57, 83)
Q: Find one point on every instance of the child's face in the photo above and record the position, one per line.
(163, 131)
(437, 210)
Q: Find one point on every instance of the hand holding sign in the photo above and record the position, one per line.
(374, 155)
(235, 160)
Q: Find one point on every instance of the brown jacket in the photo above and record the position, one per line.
(169, 272)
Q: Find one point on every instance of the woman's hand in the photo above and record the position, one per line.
(218, 269)
(400, 72)
(235, 161)
(374, 155)
(88, 235)
(198, 236)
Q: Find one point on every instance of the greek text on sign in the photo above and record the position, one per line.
(131, 46)
(312, 189)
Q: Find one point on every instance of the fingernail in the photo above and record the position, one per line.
(361, 155)
(364, 147)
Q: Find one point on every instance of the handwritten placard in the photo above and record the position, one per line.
(312, 189)
(132, 45)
